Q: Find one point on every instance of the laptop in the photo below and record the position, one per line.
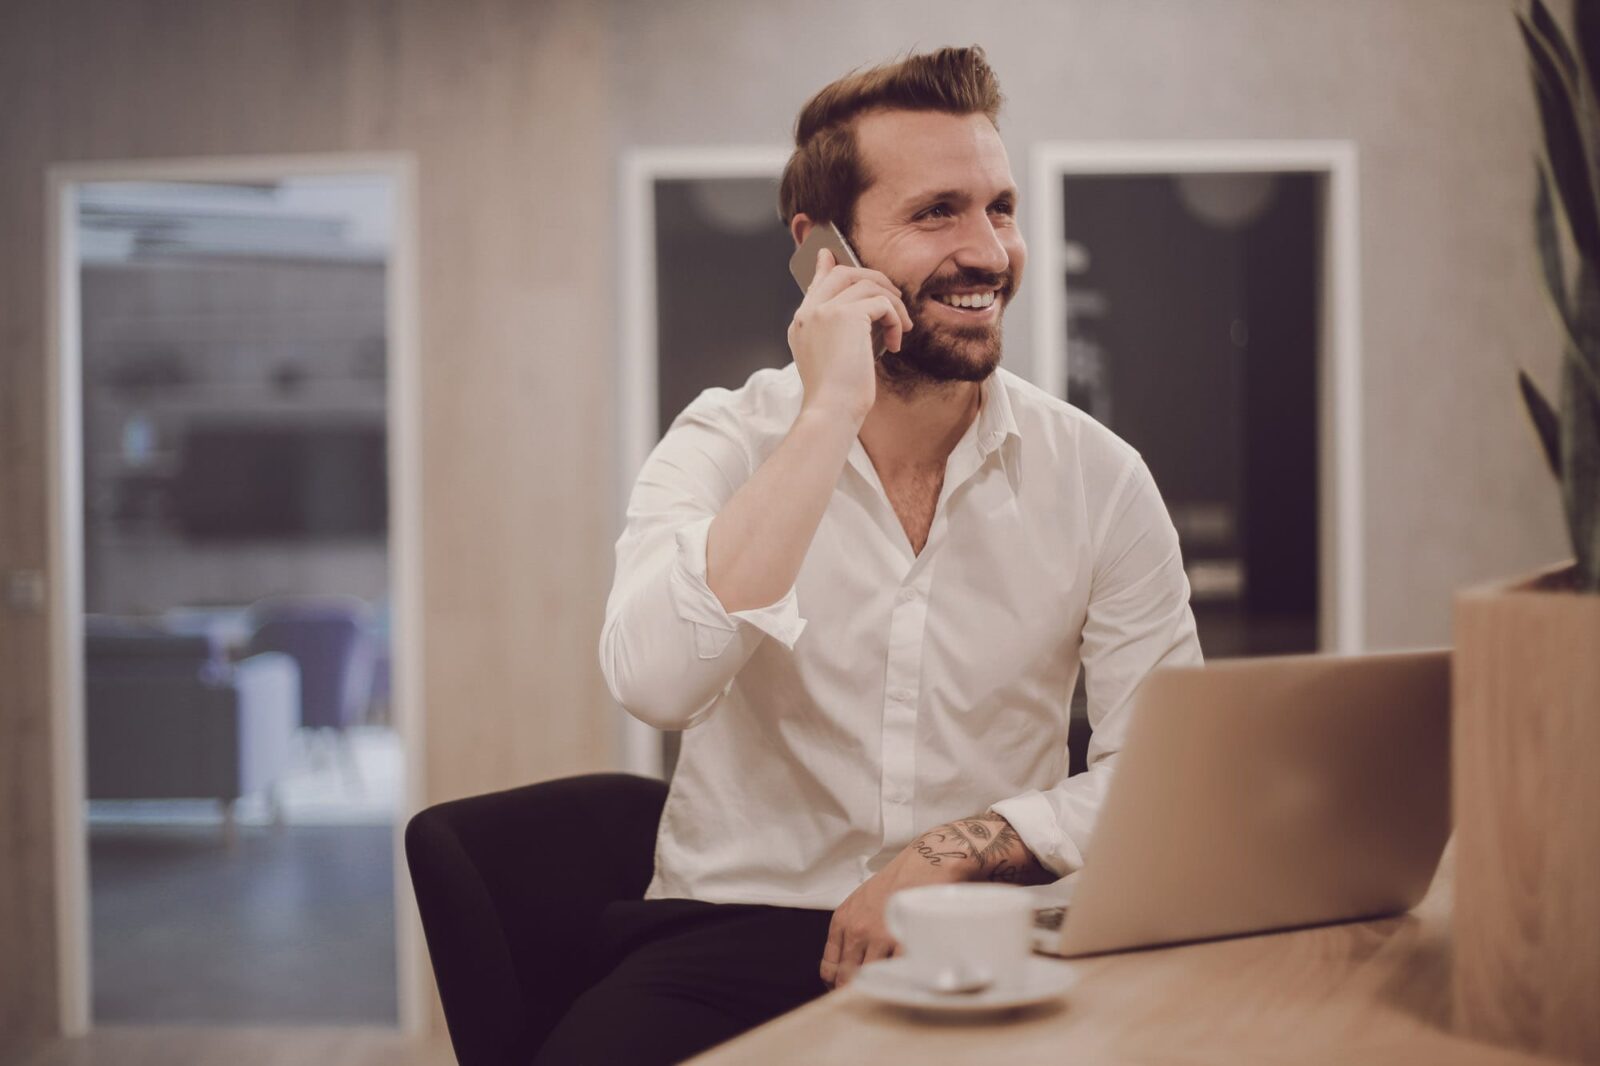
(1261, 794)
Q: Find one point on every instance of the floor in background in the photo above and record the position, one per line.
(291, 926)
(357, 782)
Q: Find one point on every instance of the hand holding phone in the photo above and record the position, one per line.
(849, 317)
(803, 265)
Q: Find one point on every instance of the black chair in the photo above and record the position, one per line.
(509, 885)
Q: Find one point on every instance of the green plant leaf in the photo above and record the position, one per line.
(1580, 481)
(1545, 423)
(1547, 28)
(1555, 283)
(1586, 31)
(1555, 274)
(1565, 144)
(1584, 321)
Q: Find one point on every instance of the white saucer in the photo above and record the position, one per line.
(890, 981)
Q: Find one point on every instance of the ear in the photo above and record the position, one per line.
(799, 227)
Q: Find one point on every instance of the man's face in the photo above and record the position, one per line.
(939, 218)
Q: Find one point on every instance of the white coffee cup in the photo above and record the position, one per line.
(953, 935)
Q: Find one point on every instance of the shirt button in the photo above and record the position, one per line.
(900, 695)
(907, 595)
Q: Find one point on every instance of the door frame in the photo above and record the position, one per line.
(65, 478)
(638, 394)
(1341, 559)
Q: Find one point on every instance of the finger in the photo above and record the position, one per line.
(872, 295)
(883, 315)
(819, 289)
(830, 279)
(884, 285)
(878, 949)
(840, 279)
(851, 953)
(879, 276)
(894, 291)
(864, 288)
(825, 265)
(828, 970)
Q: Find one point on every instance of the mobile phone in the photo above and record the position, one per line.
(803, 265)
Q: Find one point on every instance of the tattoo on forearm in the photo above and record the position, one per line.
(992, 848)
(928, 846)
(1011, 873)
(988, 843)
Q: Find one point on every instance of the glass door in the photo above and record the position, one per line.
(242, 771)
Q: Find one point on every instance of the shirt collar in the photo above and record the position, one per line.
(996, 421)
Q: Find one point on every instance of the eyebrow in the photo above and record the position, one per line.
(960, 196)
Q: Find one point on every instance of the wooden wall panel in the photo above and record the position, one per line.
(27, 935)
(505, 104)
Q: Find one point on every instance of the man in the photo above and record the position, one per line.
(864, 588)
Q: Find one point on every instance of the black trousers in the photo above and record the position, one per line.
(669, 978)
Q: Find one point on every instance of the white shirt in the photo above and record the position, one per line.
(889, 692)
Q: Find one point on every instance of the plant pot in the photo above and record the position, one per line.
(1526, 785)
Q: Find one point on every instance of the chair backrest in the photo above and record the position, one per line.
(328, 641)
(506, 928)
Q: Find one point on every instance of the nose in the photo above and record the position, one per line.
(981, 247)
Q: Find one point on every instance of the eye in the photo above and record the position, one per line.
(1005, 207)
(936, 207)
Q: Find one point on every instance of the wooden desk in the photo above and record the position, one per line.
(1363, 992)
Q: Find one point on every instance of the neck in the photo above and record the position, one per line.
(917, 432)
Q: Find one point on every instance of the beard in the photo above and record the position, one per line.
(937, 353)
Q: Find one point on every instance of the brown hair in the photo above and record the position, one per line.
(825, 176)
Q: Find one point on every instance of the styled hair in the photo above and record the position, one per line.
(825, 177)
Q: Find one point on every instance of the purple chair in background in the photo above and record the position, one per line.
(329, 639)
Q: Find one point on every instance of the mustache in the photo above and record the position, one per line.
(969, 279)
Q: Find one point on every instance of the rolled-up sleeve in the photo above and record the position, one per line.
(668, 649)
(1138, 621)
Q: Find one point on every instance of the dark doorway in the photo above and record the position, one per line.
(1193, 332)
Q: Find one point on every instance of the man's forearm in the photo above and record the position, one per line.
(760, 537)
(983, 847)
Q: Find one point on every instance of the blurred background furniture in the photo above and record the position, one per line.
(506, 923)
(380, 701)
(329, 639)
(169, 716)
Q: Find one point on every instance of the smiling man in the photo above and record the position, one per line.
(864, 589)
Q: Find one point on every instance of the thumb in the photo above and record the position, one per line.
(825, 262)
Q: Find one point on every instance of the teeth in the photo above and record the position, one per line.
(968, 300)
